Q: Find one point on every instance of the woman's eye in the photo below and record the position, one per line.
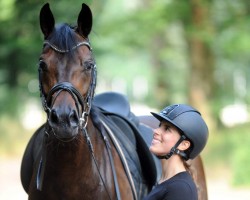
(165, 126)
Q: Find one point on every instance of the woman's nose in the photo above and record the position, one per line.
(156, 131)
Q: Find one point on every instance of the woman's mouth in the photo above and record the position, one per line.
(155, 141)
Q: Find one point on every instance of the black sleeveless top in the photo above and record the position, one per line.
(179, 187)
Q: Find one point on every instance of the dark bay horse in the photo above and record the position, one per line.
(76, 154)
(82, 151)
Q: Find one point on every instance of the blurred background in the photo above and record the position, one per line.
(157, 53)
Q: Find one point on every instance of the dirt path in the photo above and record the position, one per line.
(11, 188)
(10, 184)
(220, 189)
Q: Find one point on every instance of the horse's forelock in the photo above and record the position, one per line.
(63, 37)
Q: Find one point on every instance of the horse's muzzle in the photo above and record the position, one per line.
(64, 123)
(64, 109)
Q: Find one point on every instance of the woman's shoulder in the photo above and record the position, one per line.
(181, 176)
(181, 185)
(183, 179)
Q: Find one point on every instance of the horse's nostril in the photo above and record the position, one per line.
(64, 118)
(73, 118)
(53, 116)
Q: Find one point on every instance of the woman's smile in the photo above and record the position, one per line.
(155, 141)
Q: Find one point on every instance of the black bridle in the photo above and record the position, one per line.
(85, 104)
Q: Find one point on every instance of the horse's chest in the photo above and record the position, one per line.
(70, 189)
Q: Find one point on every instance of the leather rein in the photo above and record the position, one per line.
(85, 104)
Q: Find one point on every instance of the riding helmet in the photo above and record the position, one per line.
(190, 123)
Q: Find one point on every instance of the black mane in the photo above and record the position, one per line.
(63, 37)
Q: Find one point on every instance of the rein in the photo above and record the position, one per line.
(85, 103)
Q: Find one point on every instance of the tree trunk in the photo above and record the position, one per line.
(201, 60)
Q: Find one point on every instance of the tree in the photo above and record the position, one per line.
(201, 56)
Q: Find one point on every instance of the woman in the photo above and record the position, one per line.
(182, 135)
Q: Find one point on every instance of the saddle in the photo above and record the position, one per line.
(116, 106)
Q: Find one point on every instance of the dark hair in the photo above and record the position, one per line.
(188, 168)
(184, 160)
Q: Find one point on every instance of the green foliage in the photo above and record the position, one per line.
(150, 36)
(228, 148)
(241, 163)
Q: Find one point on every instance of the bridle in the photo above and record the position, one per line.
(85, 104)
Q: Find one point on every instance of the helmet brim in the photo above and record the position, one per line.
(162, 117)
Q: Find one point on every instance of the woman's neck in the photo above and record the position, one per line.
(171, 167)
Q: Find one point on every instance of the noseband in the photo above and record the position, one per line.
(84, 103)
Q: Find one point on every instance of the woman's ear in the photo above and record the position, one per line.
(184, 145)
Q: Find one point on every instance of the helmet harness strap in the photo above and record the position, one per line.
(174, 150)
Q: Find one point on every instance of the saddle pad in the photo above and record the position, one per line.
(139, 157)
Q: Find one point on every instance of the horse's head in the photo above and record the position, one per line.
(67, 72)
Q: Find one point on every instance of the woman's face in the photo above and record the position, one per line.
(164, 138)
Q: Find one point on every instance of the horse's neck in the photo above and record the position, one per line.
(69, 168)
(78, 153)
(65, 157)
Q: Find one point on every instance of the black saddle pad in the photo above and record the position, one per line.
(117, 106)
(134, 145)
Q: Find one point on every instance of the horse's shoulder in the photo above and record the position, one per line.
(30, 156)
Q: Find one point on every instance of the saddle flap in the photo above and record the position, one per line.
(116, 107)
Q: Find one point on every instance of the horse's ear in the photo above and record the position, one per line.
(84, 21)
(47, 21)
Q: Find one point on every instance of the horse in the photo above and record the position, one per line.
(84, 150)
(75, 154)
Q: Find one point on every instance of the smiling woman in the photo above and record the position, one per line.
(165, 137)
(181, 135)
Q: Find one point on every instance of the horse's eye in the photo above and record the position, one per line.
(43, 66)
(88, 66)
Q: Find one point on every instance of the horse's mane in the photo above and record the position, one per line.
(63, 37)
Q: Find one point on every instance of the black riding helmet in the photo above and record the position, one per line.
(191, 125)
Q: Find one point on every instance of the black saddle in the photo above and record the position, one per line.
(117, 104)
